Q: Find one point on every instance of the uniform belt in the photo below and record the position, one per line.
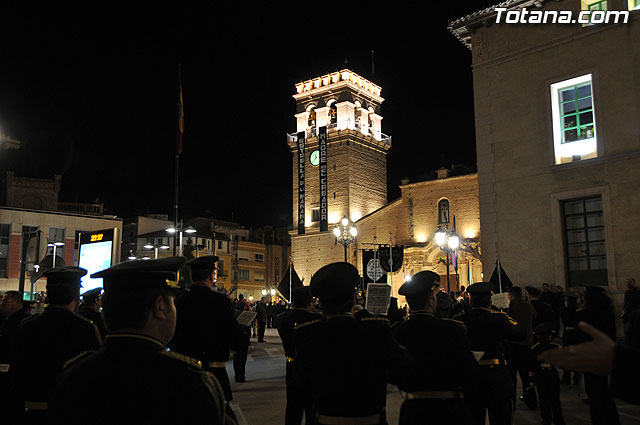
(35, 405)
(339, 420)
(217, 365)
(545, 365)
(491, 362)
(569, 328)
(4, 367)
(442, 395)
(290, 359)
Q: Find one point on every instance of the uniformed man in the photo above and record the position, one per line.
(546, 377)
(544, 311)
(43, 343)
(345, 362)
(443, 360)
(90, 309)
(12, 309)
(302, 312)
(570, 333)
(139, 381)
(207, 329)
(491, 387)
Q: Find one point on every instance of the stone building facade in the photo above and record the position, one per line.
(558, 140)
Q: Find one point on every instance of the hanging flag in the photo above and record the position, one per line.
(470, 274)
(454, 253)
(500, 280)
(290, 280)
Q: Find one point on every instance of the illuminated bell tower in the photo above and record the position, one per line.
(339, 163)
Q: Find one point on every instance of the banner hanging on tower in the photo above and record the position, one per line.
(301, 183)
(322, 147)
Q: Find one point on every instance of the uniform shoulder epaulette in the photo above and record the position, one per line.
(184, 359)
(303, 325)
(76, 358)
(93, 325)
(458, 315)
(457, 322)
(511, 320)
(282, 313)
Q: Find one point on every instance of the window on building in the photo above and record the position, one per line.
(634, 4)
(5, 236)
(333, 114)
(277, 269)
(258, 276)
(220, 267)
(315, 214)
(593, 6)
(586, 258)
(259, 258)
(242, 255)
(241, 274)
(219, 244)
(574, 124)
(443, 211)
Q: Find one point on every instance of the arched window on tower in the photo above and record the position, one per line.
(311, 123)
(333, 114)
(370, 120)
(443, 211)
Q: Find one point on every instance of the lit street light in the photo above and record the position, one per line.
(155, 248)
(345, 234)
(173, 230)
(55, 245)
(448, 242)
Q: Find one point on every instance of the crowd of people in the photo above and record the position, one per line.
(159, 353)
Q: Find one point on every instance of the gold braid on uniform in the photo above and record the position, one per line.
(184, 359)
(76, 358)
(95, 328)
(302, 325)
(375, 319)
(458, 322)
(213, 386)
(513, 322)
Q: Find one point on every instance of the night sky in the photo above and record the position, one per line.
(92, 96)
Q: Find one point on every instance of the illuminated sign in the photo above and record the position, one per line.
(96, 254)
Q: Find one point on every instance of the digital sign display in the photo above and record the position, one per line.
(96, 254)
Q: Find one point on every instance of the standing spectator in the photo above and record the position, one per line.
(546, 296)
(519, 352)
(261, 318)
(269, 311)
(631, 300)
(393, 313)
(598, 312)
(240, 355)
(444, 308)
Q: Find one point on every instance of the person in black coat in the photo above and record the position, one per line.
(345, 363)
(489, 330)
(442, 358)
(43, 343)
(544, 311)
(302, 312)
(12, 309)
(138, 381)
(598, 312)
(569, 334)
(546, 377)
(206, 328)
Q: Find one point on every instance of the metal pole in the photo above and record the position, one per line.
(390, 259)
(23, 264)
(54, 256)
(290, 279)
(345, 252)
(448, 285)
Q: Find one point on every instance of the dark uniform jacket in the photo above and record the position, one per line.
(345, 363)
(206, 328)
(604, 323)
(489, 331)
(524, 313)
(41, 346)
(626, 373)
(540, 368)
(7, 329)
(137, 382)
(95, 317)
(544, 312)
(287, 321)
(440, 352)
(569, 336)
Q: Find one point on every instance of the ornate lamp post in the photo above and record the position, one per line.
(448, 241)
(345, 233)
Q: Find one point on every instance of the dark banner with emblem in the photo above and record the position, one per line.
(371, 268)
(301, 184)
(398, 255)
(322, 147)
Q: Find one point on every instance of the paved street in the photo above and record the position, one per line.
(262, 398)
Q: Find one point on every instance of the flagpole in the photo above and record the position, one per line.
(178, 149)
(499, 275)
(290, 274)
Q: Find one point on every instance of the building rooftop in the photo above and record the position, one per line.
(344, 75)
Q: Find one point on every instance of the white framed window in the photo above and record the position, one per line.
(258, 276)
(574, 123)
(592, 6)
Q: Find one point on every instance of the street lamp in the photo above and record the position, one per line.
(55, 245)
(345, 233)
(448, 241)
(173, 230)
(155, 248)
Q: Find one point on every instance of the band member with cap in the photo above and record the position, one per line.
(43, 343)
(302, 312)
(546, 377)
(489, 330)
(570, 333)
(544, 311)
(345, 362)
(207, 329)
(90, 309)
(140, 382)
(442, 356)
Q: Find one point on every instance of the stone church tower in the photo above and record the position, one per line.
(343, 109)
